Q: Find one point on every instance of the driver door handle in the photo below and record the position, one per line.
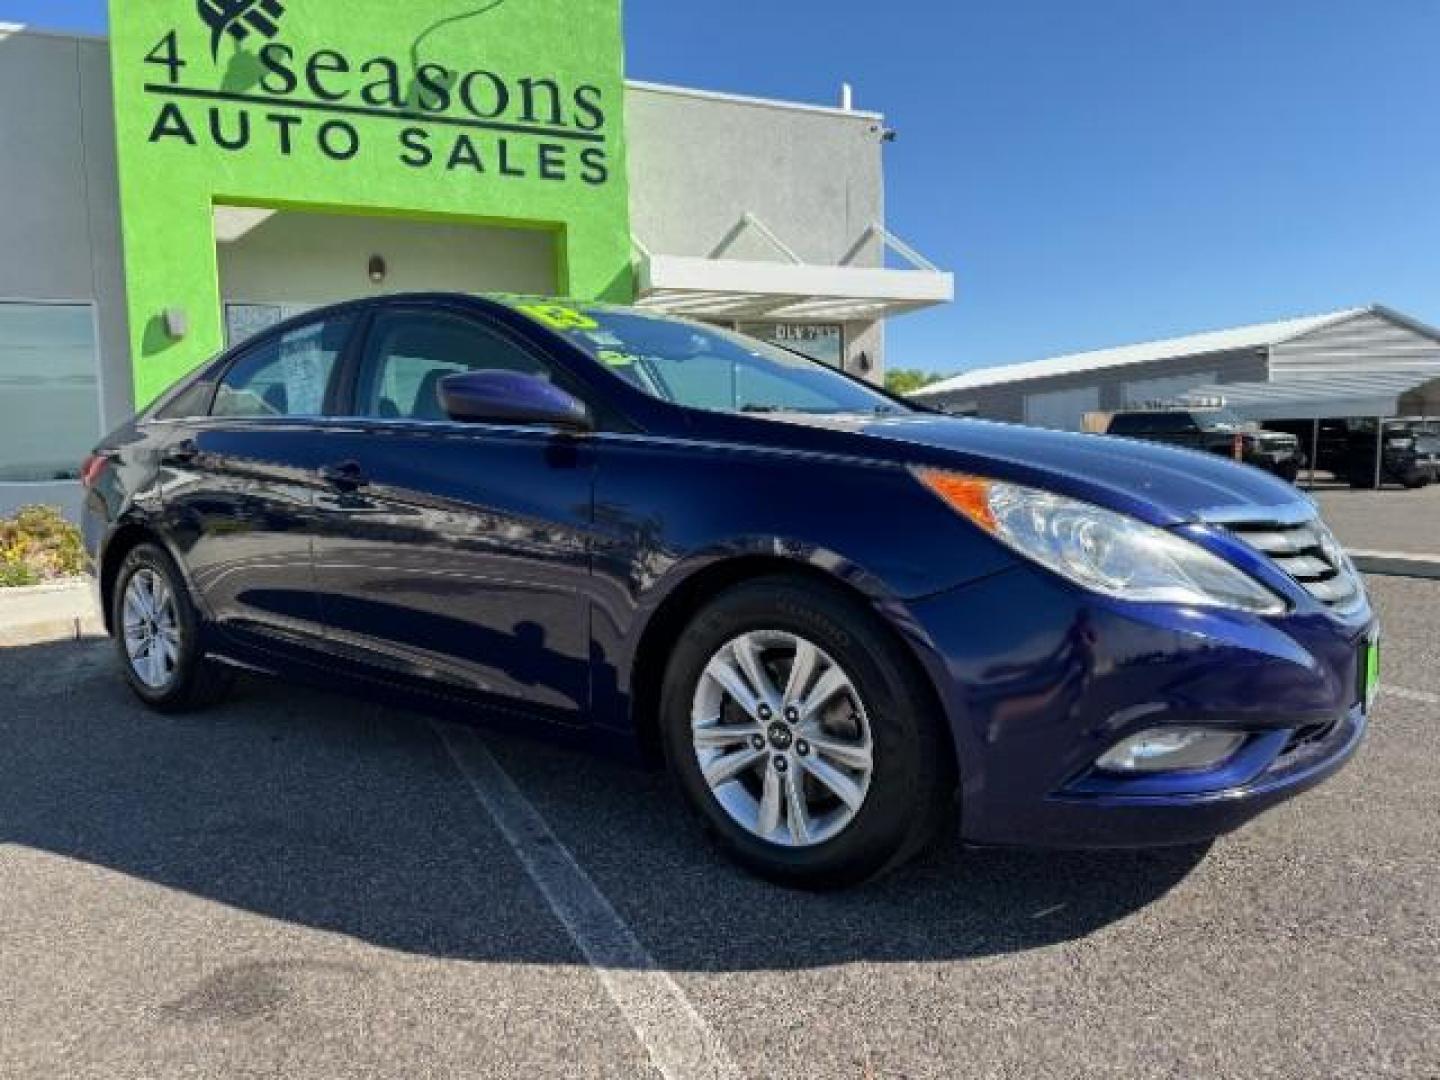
(344, 475)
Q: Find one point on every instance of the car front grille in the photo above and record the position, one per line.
(1309, 554)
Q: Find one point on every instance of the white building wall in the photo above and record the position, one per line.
(1062, 410)
(1165, 389)
(60, 229)
(313, 259)
(813, 175)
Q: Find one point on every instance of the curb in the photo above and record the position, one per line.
(51, 632)
(43, 614)
(1397, 564)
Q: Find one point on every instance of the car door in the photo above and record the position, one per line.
(241, 481)
(455, 554)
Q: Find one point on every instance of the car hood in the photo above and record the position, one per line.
(1160, 484)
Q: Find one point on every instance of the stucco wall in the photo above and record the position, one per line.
(60, 227)
(318, 259)
(814, 176)
(699, 162)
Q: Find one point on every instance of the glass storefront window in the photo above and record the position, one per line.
(49, 390)
(819, 341)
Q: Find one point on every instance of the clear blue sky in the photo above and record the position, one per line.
(1100, 172)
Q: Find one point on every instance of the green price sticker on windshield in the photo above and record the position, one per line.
(560, 317)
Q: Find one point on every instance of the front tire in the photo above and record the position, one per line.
(803, 735)
(157, 632)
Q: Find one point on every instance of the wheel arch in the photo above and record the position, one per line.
(662, 630)
(125, 538)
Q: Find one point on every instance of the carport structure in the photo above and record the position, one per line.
(1413, 391)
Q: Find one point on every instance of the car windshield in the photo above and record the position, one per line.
(704, 367)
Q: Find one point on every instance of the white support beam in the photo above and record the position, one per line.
(694, 274)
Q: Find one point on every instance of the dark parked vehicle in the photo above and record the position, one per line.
(1410, 452)
(835, 617)
(1427, 453)
(1214, 431)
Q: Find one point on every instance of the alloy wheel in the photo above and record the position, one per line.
(782, 738)
(151, 629)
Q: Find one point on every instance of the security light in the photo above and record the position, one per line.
(177, 323)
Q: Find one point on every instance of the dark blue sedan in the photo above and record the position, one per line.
(838, 619)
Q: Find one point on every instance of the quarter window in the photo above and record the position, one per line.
(287, 375)
(49, 390)
(410, 352)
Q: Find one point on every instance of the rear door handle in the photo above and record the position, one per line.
(344, 475)
(182, 453)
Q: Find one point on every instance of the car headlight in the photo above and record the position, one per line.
(1106, 552)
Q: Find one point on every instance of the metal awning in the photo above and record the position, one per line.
(1409, 392)
(715, 287)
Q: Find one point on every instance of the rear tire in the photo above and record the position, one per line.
(865, 758)
(157, 633)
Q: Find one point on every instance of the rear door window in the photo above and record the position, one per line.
(288, 374)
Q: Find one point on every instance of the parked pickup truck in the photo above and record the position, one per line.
(1215, 431)
(1410, 452)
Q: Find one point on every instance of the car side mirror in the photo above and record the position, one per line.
(508, 397)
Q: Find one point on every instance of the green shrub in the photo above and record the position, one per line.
(37, 544)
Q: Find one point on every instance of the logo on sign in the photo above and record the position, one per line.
(240, 19)
(462, 118)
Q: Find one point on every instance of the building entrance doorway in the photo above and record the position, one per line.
(278, 263)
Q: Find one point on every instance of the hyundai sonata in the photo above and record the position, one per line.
(839, 620)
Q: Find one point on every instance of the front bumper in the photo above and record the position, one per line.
(1040, 678)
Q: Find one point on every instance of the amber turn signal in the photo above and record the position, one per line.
(970, 495)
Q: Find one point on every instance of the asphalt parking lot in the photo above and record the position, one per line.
(300, 885)
(1388, 520)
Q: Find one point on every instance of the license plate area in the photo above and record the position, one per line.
(1367, 669)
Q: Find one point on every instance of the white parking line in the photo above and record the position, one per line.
(681, 1045)
(1422, 696)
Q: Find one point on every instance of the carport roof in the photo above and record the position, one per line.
(1257, 335)
(1370, 393)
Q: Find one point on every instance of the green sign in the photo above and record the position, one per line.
(496, 112)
